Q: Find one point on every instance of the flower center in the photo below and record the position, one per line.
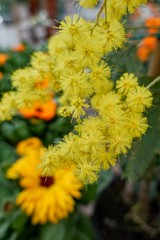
(39, 109)
(46, 181)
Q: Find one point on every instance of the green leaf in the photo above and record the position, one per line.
(8, 132)
(7, 154)
(20, 220)
(4, 227)
(104, 180)
(85, 228)
(53, 231)
(89, 193)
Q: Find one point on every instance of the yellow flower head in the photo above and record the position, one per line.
(126, 82)
(30, 144)
(88, 3)
(111, 34)
(72, 29)
(139, 98)
(44, 198)
(122, 7)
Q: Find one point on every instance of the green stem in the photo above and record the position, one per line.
(99, 14)
(106, 10)
(153, 82)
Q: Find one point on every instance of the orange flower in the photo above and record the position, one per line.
(3, 58)
(153, 24)
(146, 47)
(19, 48)
(1, 75)
(42, 111)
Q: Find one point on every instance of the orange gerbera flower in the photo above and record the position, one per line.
(42, 111)
(146, 47)
(19, 48)
(3, 58)
(153, 24)
(1, 75)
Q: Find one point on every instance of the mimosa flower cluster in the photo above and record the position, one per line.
(107, 120)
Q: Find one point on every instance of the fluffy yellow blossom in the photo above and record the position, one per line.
(87, 171)
(75, 84)
(44, 198)
(124, 6)
(126, 82)
(136, 124)
(139, 98)
(72, 29)
(41, 62)
(111, 34)
(120, 142)
(88, 3)
(78, 107)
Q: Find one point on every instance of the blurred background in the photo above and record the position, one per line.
(33, 20)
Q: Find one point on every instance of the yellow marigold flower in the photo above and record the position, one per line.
(139, 98)
(88, 3)
(126, 82)
(32, 144)
(3, 58)
(45, 198)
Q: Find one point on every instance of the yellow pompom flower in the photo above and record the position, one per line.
(44, 198)
(87, 171)
(111, 34)
(126, 82)
(139, 98)
(88, 3)
(120, 142)
(136, 124)
(89, 51)
(73, 28)
(125, 6)
(78, 107)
